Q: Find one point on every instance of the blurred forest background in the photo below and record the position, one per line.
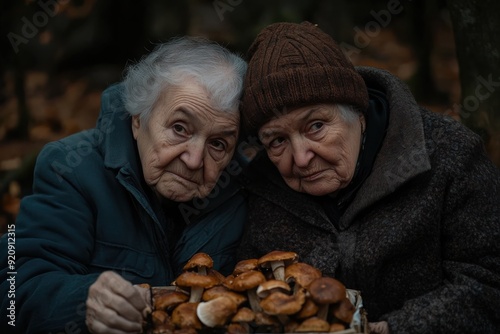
(57, 56)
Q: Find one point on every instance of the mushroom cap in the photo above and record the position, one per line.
(244, 314)
(245, 265)
(159, 317)
(309, 309)
(279, 303)
(313, 324)
(193, 279)
(217, 275)
(216, 312)
(220, 290)
(301, 273)
(236, 328)
(170, 299)
(157, 291)
(199, 260)
(344, 311)
(287, 257)
(184, 316)
(245, 281)
(336, 327)
(327, 290)
(266, 288)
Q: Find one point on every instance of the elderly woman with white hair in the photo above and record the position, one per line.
(131, 200)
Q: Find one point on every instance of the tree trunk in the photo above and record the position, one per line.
(476, 27)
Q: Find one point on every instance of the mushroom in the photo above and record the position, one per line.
(197, 282)
(242, 318)
(268, 287)
(344, 311)
(277, 260)
(279, 303)
(336, 327)
(325, 291)
(199, 261)
(216, 312)
(244, 314)
(237, 328)
(244, 266)
(169, 300)
(220, 290)
(159, 317)
(308, 310)
(217, 275)
(313, 324)
(247, 281)
(301, 273)
(184, 316)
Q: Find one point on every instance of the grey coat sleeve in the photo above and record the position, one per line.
(468, 301)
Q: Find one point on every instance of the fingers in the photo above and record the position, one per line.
(114, 305)
(146, 296)
(378, 327)
(125, 289)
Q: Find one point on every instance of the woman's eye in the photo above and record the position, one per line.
(276, 142)
(219, 145)
(316, 126)
(179, 128)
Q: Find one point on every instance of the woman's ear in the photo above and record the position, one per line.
(362, 122)
(136, 125)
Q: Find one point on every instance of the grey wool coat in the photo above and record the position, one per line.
(421, 238)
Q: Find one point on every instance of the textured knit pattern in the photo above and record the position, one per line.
(295, 64)
(420, 239)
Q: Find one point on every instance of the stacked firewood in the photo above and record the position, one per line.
(273, 294)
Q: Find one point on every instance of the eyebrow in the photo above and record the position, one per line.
(270, 133)
(223, 133)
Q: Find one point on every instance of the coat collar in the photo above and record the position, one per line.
(403, 154)
(118, 145)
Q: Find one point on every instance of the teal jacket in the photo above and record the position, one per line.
(90, 211)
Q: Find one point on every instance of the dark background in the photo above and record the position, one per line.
(58, 56)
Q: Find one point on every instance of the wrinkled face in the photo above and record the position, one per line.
(314, 148)
(186, 143)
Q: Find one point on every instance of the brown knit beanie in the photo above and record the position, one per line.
(292, 65)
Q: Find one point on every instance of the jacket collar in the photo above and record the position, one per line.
(403, 154)
(118, 145)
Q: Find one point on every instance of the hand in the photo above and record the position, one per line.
(378, 327)
(114, 305)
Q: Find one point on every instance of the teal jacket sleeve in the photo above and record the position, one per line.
(53, 246)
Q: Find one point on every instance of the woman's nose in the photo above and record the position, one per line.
(302, 153)
(193, 155)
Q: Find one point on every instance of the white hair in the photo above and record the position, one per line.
(348, 112)
(214, 67)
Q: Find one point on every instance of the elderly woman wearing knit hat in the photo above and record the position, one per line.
(367, 186)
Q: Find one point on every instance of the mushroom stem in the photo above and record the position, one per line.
(323, 311)
(278, 268)
(253, 300)
(195, 295)
(196, 292)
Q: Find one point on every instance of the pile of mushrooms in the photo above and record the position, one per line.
(273, 294)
